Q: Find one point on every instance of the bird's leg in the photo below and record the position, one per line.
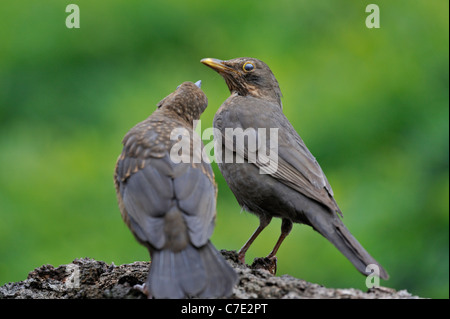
(263, 222)
(286, 227)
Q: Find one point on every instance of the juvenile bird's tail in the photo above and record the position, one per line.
(200, 272)
(332, 228)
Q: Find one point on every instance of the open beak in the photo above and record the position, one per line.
(217, 65)
(199, 84)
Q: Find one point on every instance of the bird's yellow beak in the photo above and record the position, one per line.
(217, 65)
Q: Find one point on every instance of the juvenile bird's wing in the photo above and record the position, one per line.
(149, 184)
(295, 166)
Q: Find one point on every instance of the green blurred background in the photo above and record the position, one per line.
(371, 105)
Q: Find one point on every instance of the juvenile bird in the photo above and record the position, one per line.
(170, 204)
(295, 189)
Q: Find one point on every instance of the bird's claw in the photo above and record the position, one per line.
(266, 263)
(143, 289)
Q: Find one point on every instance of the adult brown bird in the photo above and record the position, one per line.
(170, 204)
(295, 189)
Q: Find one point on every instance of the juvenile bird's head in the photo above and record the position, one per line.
(247, 76)
(188, 101)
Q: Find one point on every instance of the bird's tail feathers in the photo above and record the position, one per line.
(200, 272)
(336, 232)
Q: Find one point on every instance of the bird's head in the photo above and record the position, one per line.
(188, 101)
(247, 76)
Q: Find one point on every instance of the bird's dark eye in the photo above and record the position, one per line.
(248, 66)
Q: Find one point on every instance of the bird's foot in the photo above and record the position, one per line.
(266, 263)
(143, 289)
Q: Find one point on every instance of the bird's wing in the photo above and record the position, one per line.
(196, 194)
(149, 187)
(288, 160)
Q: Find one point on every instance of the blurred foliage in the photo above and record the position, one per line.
(371, 104)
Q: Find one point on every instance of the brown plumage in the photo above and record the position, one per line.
(170, 207)
(297, 191)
